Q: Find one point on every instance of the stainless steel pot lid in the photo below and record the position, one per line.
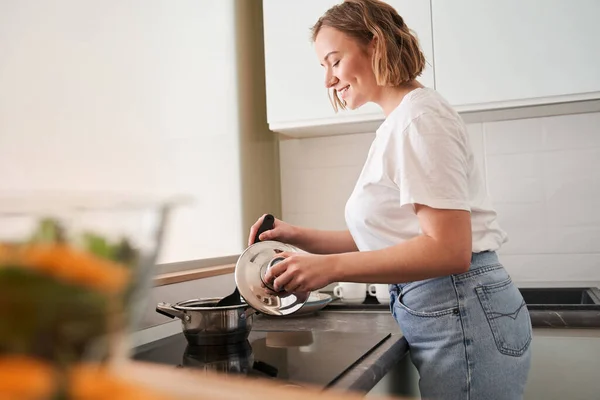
(249, 278)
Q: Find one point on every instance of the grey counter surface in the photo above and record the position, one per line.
(364, 375)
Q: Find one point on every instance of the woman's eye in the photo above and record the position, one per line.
(336, 63)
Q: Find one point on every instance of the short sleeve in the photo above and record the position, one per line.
(430, 163)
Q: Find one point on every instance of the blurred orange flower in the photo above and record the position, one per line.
(25, 378)
(92, 382)
(68, 264)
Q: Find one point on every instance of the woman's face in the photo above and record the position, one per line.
(347, 66)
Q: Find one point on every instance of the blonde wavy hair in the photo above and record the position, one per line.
(397, 57)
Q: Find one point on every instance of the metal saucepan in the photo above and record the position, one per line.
(206, 325)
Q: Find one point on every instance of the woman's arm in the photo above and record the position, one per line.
(444, 248)
(324, 242)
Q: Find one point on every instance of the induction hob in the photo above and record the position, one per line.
(317, 358)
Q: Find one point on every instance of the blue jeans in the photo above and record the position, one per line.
(469, 334)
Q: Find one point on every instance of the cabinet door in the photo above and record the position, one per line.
(297, 100)
(491, 54)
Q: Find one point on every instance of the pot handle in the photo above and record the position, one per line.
(168, 310)
(267, 224)
(265, 368)
(249, 311)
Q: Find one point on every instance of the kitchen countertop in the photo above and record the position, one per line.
(364, 375)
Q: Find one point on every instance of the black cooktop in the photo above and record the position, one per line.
(317, 358)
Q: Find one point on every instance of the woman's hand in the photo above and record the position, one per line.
(281, 231)
(300, 272)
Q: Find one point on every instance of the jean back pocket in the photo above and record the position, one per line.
(507, 316)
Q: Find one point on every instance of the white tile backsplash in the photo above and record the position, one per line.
(574, 205)
(318, 176)
(552, 267)
(315, 189)
(573, 240)
(515, 178)
(543, 175)
(514, 136)
(572, 187)
(579, 131)
(324, 152)
(568, 164)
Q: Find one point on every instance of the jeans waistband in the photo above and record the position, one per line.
(478, 260)
(484, 259)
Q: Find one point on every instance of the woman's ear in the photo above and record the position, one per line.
(372, 46)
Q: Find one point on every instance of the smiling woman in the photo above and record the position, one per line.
(353, 54)
(419, 217)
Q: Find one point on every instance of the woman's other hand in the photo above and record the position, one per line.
(281, 232)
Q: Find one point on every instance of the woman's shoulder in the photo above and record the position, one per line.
(422, 106)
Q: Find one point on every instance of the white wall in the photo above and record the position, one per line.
(543, 175)
(139, 96)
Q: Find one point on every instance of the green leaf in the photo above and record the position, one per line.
(49, 231)
(98, 245)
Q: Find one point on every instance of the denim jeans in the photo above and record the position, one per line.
(469, 334)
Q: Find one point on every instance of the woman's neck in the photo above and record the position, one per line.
(389, 97)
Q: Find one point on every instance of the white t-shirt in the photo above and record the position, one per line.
(420, 154)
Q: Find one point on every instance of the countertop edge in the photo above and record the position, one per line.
(363, 376)
(193, 274)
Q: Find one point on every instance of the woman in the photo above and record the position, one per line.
(419, 217)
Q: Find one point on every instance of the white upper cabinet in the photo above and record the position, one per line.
(297, 100)
(493, 54)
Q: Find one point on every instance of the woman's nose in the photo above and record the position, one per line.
(330, 81)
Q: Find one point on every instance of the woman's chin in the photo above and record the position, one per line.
(350, 105)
